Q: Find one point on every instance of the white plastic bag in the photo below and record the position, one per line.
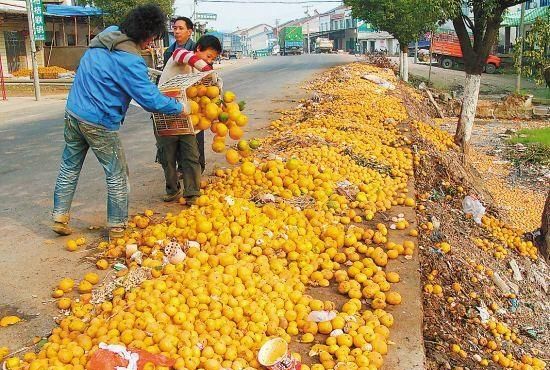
(321, 316)
(474, 207)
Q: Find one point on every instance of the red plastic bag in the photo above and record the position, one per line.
(103, 359)
(146, 357)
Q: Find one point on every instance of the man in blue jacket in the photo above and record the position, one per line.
(111, 73)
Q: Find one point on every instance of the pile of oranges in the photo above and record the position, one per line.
(258, 238)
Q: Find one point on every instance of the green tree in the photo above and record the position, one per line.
(115, 10)
(404, 19)
(476, 23)
(536, 53)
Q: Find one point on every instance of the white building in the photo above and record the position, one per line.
(258, 38)
(371, 40)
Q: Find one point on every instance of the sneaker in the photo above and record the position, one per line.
(61, 228)
(172, 197)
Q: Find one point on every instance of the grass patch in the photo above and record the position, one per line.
(532, 136)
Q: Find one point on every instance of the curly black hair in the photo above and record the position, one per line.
(144, 22)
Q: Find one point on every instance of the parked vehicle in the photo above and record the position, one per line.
(291, 40)
(276, 50)
(448, 53)
(323, 45)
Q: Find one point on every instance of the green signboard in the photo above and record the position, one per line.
(206, 16)
(38, 25)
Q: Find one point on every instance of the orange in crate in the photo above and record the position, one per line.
(169, 125)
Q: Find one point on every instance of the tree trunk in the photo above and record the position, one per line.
(400, 64)
(404, 62)
(405, 67)
(543, 242)
(467, 113)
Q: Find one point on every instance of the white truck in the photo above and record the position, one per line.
(323, 45)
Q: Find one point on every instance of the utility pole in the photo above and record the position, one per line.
(193, 18)
(521, 34)
(33, 51)
(307, 27)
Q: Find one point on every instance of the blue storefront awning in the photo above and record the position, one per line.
(72, 11)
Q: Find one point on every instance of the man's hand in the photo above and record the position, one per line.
(186, 108)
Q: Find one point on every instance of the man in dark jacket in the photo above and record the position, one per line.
(183, 30)
(111, 73)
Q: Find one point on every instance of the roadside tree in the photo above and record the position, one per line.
(477, 24)
(404, 19)
(115, 10)
(543, 241)
(536, 52)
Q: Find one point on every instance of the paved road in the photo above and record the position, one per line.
(32, 258)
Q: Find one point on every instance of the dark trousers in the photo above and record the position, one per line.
(202, 160)
(182, 150)
(200, 142)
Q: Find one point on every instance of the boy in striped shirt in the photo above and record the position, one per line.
(185, 147)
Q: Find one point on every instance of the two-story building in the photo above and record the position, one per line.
(346, 32)
(259, 39)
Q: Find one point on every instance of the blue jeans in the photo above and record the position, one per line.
(107, 147)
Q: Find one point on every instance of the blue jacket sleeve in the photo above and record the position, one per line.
(135, 81)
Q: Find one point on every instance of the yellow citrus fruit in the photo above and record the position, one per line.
(195, 119)
(71, 245)
(241, 120)
(228, 96)
(218, 146)
(393, 298)
(64, 303)
(243, 146)
(221, 129)
(236, 133)
(66, 284)
(232, 156)
(195, 108)
(85, 286)
(92, 277)
(191, 91)
(102, 264)
(212, 92)
(211, 111)
(204, 124)
(248, 168)
(201, 90)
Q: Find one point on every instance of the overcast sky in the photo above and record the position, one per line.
(231, 15)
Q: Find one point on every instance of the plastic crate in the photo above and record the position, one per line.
(170, 125)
